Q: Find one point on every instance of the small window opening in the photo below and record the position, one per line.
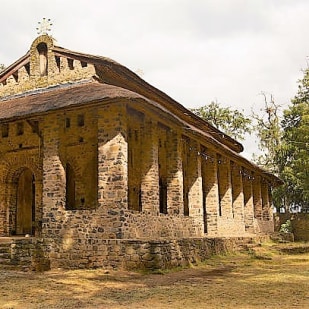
(70, 187)
(27, 67)
(67, 122)
(139, 200)
(57, 62)
(163, 196)
(83, 64)
(70, 64)
(42, 49)
(186, 211)
(220, 207)
(15, 75)
(205, 212)
(35, 126)
(5, 130)
(136, 135)
(20, 128)
(81, 139)
(80, 120)
(219, 182)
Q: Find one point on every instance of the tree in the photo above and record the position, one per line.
(2, 67)
(267, 128)
(231, 121)
(293, 156)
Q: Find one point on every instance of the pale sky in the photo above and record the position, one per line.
(196, 51)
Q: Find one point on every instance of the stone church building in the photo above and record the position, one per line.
(106, 170)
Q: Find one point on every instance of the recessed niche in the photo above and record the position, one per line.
(43, 62)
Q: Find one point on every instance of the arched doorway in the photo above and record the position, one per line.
(25, 203)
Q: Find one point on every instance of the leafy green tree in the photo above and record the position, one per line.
(293, 157)
(231, 121)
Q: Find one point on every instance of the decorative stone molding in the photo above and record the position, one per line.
(43, 67)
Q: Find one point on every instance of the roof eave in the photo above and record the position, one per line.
(139, 85)
(14, 66)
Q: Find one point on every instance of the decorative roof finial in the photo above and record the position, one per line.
(44, 26)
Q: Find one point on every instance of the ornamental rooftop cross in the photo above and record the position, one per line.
(44, 26)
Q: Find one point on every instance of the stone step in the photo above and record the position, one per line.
(5, 250)
(8, 267)
(5, 254)
(5, 246)
(5, 261)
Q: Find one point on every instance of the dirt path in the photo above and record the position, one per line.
(264, 277)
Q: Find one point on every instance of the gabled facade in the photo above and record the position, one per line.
(94, 159)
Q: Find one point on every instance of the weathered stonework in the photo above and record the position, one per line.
(129, 254)
(27, 76)
(102, 169)
(299, 225)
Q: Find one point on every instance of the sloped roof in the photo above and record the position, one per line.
(38, 102)
(68, 95)
(110, 72)
(105, 80)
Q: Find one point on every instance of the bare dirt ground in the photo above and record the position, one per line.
(262, 277)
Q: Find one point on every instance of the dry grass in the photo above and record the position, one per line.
(263, 277)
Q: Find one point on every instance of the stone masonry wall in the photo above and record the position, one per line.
(248, 201)
(59, 69)
(99, 138)
(100, 215)
(210, 191)
(147, 254)
(299, 224)
(20, 150)
(78, 147)
(36, 254)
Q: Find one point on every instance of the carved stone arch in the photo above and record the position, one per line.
(74, 164)
(74, 185)
(17, 172)
(41, 60)
(15, 165)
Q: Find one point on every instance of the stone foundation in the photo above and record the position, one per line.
(124, 253)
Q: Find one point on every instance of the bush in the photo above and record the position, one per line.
(286, 227)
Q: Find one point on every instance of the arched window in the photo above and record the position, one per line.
(25, 204)
(42, 49)
(70, 187)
